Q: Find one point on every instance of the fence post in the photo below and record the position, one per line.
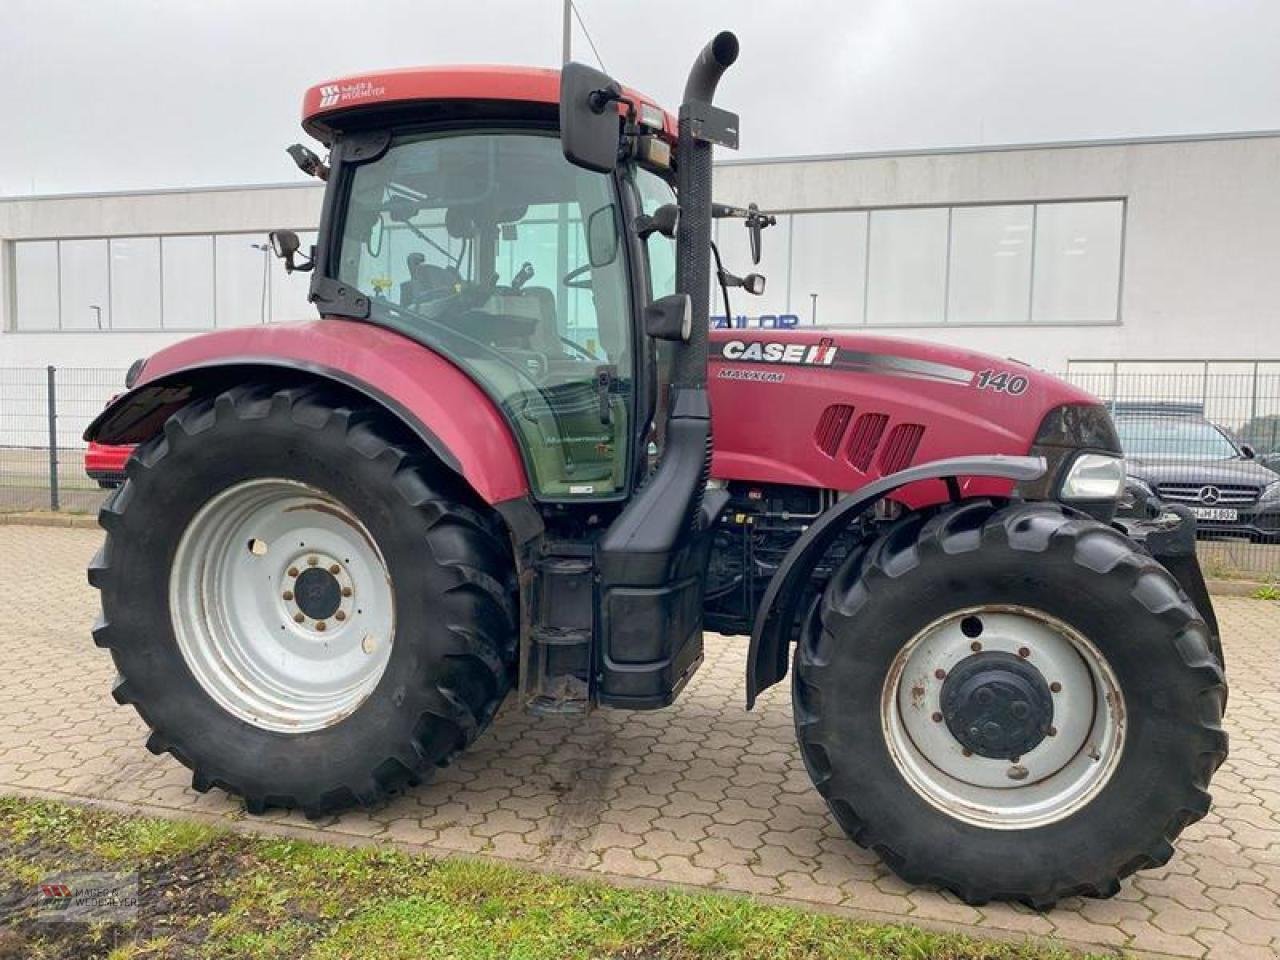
(52, 393)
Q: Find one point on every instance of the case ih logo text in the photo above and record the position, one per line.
(821, 354)
(332, 93)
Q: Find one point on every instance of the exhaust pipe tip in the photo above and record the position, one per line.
(716, 57)
(724, 48)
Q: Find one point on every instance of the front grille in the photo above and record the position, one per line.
(1229, 494)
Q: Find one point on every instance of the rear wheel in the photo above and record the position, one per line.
(1009, 702)
(305, 609)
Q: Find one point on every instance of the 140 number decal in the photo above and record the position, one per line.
(1001, 381)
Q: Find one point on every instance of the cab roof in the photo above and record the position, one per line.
(324, 102)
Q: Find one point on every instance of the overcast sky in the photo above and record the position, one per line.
(128, 94)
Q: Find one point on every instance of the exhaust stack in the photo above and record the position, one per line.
(693, 181)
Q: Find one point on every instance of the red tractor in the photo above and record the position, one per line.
(510, 453)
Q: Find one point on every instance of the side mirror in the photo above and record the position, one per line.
(753, 232)
(589, 122)
(670, 318)
(602, 236)
(664, 220)
(1247, 451)
(285, 244)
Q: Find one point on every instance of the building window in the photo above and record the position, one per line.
(35, 268)
(1053, 262)
(187, 282)
(828, 272)
(907, 266)
(990, 265)
(84, 285)
(194, 282)
(135, 283)
(1077, 274)
(242, 275)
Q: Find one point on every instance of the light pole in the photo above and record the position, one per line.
(266, 275)
(566, 31)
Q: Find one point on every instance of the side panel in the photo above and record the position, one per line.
(453, 415)
(839, 409)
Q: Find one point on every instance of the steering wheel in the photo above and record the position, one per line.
(580, 350)
(573, 280)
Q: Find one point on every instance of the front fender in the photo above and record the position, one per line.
(451, 414)
(771, 634)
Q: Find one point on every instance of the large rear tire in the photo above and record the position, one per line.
(1009, 702)
(306, 609)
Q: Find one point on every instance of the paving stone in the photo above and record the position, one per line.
(703, 793)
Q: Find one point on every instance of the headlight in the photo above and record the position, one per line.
(1271, 490)
(1094, 476)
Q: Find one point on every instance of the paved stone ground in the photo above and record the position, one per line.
(702, 794)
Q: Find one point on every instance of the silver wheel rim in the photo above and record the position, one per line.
(1060, 775)
(282, 605)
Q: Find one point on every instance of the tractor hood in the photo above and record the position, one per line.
(838, 409)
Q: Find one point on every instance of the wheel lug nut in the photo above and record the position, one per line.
(298, 618)
(340, 615)
(1023, 652)
(288, 594)
(320, 625)
(1056, 687)
(312, 561)
(293, 571)
(937, 717)
(346, 591)
(1051, 732)
(334, 568)
(975, 646)
(940, 674)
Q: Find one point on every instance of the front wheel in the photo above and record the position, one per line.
(1009, 702)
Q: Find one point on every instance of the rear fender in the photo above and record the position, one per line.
(446, 409)
(771, 635)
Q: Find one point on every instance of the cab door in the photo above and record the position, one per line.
(492, 249)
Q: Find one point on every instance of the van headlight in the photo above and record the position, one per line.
(1094, 476)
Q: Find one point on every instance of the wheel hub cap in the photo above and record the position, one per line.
(318, 594)
(997, 705)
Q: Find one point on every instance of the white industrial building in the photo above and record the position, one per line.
(1079, 254)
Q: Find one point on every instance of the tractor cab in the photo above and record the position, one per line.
(455, 217)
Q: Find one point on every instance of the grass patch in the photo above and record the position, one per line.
(1268, 591)
(206, 893)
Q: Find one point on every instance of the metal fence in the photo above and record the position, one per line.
(1205, 438)
(43, 413)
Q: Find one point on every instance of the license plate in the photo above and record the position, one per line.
(1215, 513)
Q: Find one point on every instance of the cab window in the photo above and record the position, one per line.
(493, 249)
(654, 193)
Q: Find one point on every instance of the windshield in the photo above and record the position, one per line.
(492, 248)
(1173, 439)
